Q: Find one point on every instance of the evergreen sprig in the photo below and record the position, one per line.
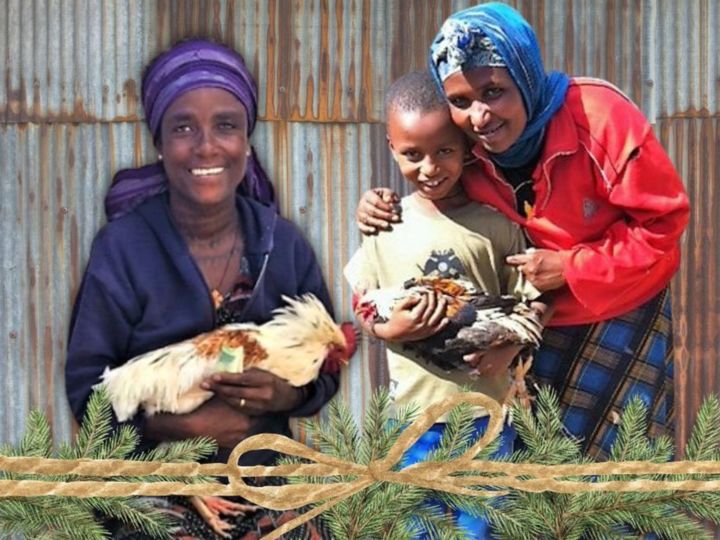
(76, 518)
(392, 511)
(385, 510)
(608, 515)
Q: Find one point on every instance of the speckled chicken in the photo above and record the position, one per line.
(297, 344)
(478, 321)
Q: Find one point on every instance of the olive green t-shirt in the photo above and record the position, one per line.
(469, 242)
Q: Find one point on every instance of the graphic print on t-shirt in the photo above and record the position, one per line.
(444, 264)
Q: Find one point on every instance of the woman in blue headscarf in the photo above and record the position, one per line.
(576, 164)
(194, 241)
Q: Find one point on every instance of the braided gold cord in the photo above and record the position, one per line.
(434, 475)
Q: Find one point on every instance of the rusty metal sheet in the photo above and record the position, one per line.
(318, 60)
(323, 60)
(53, 180)
(693, 147)
(70, 61)
(81, 61)
(685, 63)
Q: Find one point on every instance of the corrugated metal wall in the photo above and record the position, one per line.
(70, 116)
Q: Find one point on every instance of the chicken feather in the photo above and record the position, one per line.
(478, 321)
(296, 344)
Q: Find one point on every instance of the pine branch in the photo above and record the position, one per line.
(37, 440)
(136, 512)
(673, 515)
(77, 518)
(386, 510)
(120, 445)
(374, 426)
(705, 437)
(457, 436)
(57, 518)
(96, 426)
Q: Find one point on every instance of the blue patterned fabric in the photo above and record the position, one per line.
(477, 527)
(596, 369)
(461, 44)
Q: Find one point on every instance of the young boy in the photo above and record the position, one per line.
(442, 234)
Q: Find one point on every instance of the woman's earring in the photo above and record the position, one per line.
(248, 152)
(159, 157)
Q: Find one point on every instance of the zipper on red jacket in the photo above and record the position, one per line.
(505, 184)
(545, 169)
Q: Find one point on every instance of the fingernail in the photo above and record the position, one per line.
(204, 386)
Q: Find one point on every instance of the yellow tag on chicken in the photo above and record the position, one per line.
(231, 360)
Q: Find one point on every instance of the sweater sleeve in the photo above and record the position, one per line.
(100, 330)
(310, 280)
(641, 251)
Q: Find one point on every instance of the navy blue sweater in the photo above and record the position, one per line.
(142, 290)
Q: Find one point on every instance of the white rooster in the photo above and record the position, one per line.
(300, 341)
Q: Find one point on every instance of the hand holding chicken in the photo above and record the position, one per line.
(283, 354)
(299, 342)
(474, 322)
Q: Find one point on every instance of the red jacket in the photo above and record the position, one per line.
(606, 192)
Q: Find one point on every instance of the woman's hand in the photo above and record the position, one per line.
(214, 418)
(254, 391)
(415, 318)
(542, 267)
(376, 210)
(493, 362)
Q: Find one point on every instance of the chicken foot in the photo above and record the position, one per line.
(210, 508)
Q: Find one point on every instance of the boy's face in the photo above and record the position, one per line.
(429, 149)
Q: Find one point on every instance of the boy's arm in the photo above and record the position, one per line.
(414, 318)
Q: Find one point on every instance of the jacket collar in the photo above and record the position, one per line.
(561, 137)
(257, 221)
(258, 225)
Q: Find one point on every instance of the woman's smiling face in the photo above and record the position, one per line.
(204, 145)
(487, 105)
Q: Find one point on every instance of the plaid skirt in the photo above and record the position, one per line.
(597, 368)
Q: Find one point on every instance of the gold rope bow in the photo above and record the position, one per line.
(432, 475)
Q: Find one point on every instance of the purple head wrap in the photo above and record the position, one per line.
(189, 65)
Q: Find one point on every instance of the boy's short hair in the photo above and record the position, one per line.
(416, 91)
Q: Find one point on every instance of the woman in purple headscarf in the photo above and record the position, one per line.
(193, 242)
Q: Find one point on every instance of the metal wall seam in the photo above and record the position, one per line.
(692, 145)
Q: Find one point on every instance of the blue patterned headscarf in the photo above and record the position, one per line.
(496, 35)
(187, 66)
